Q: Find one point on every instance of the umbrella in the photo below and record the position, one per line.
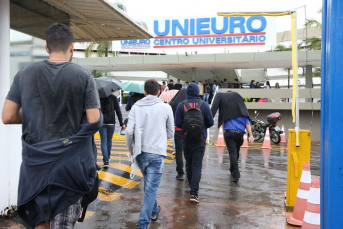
(168, 95)
(133, 87)
(106, 86)
(179, 97)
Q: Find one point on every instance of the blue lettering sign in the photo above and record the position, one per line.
(263, 23)
(192, 27)
(214, 27)
(176, 24)
(201, 27)
(166, 29)
(262, 38)
(239, 24)
(245, 39)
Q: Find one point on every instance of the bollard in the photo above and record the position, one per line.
(297, 156)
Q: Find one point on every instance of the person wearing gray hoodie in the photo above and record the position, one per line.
(151, 124)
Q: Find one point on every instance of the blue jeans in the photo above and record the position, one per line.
(206, 97)
(106, 134)
(151, 166)
(194, 153)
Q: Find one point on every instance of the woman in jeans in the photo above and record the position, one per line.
(109, 106)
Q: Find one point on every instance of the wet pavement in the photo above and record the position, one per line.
(257, 201)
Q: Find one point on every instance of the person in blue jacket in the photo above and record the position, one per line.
(194, 152)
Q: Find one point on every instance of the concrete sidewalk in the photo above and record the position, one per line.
(257, 201)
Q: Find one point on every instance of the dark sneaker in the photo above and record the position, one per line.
(235, 180)
(179, 177)
(194, 199)
(105, 164)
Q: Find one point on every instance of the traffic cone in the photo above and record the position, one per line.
(266, 141)
(296, 218)
(283, 135)
(287, 146)
(312, 213)
(266, 155)
(220, 139)
(243, 155)
(245, 143)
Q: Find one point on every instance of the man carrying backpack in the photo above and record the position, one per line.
(194, 117)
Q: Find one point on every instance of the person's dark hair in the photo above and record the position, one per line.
(59, 37)
(252, 82)
(163, 82)
(225, 80)
(151, 87)
(186, 81)
(171, 81)
(193, 81)
(236, 80)
(215, 81)
(267, 83)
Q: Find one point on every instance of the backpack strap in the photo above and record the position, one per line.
(186, 104)
(200, 104)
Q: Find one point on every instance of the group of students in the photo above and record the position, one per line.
(188, 125)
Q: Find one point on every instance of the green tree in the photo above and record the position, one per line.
(103, 48)
(317, 72)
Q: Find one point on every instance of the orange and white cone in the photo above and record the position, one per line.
(243, 155)
(312, 213)
(283, 135)
(245, 143)
(266, 141)
(296, 218)
(220, 139)
(266, 156)
(287, 146)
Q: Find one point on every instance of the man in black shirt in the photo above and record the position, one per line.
(170, 85)
(236, 84)
(178, 86)
(224, 85)
(49, 99)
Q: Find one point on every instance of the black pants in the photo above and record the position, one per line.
(194, 153)
(233, 142)
(178, 151)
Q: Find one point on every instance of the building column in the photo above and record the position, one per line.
(4, 87)
(331, 160)
(10, 150)
(194, 74)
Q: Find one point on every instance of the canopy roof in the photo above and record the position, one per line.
(91, 20)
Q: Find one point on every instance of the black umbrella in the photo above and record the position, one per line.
(179, 97)
(106, 86)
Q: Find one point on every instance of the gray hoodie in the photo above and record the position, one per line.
(151, 123)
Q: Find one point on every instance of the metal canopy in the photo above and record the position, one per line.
(91, 20)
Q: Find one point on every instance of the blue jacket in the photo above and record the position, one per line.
(55, 174)
(192, 96)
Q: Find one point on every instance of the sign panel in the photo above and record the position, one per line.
(205, 32)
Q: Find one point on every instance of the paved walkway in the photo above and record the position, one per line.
(255, 202)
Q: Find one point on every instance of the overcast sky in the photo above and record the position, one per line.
(159, 9)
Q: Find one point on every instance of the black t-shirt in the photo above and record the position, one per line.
(53, 98)
(170, 86)
(177, 86)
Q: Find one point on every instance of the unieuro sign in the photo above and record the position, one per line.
(207, 32)
(204, 26)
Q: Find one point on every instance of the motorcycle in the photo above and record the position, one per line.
(259, 127)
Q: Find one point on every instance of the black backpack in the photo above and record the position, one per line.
(88, 198)
(193, 123)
